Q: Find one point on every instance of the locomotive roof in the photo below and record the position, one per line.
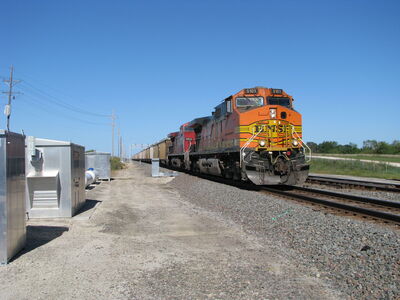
(199, 121)
(173, 134)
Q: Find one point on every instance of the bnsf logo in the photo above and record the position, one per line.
(271, 128)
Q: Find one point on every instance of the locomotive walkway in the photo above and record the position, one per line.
(141, 240)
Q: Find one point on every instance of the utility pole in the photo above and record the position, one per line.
(119, 143)
(121, 148)
(11, 83)
(113, 130)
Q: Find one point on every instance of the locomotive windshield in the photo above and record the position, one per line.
(249, 101)
(282, 101)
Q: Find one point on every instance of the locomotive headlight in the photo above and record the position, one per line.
(272, 113)
(262, 143)
(295, 142)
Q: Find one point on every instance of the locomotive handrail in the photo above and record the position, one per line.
(302, 143)
(186, 159)
(247, 144)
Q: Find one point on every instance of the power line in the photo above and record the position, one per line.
(60, 103)
(39, 99)
(43, 106)
(50, 87)
(60, 92)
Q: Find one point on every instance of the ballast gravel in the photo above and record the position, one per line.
(359, 259)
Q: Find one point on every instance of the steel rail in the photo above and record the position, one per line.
(362, 199)
(388, 187)
(356, 209)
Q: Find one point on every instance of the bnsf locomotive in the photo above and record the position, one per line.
(253, 135)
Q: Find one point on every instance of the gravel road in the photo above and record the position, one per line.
(359, 259)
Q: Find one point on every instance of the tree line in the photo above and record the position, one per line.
(368, 147)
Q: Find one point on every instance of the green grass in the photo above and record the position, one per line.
(354, 168)
(375, 157)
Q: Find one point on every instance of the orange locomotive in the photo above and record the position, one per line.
(253, 135)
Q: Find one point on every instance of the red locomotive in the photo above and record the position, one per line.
(181, 143)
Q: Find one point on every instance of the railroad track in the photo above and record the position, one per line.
(375, 208)
(386, 210)
(389, 211)
(351, 183)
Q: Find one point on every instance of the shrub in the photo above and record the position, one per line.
(116, 163)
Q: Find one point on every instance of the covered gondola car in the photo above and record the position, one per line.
(161, 150)
(158, 150)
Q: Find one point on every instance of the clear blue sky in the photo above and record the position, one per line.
(162, 63)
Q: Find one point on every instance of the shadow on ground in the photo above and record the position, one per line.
(89, 204)
(37, 236)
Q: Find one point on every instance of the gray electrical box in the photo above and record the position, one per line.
(55, 178)
(100, 162)
(12, 195)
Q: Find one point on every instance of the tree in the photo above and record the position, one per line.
(349, 148)
(370, 146)
(395, 147)
(382, 148)
(328, 147)
(313, 146)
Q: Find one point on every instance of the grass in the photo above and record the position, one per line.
(374, 157)
(354, 168)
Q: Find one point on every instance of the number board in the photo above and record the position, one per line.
(251, 91)
(276, 91)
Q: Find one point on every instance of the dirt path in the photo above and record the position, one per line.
(143, 241)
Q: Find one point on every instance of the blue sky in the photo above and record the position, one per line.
(162, 63)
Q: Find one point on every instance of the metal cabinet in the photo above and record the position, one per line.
(100, 162)
(55, 178)
(12, 195)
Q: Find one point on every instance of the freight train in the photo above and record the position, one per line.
(255, 134)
